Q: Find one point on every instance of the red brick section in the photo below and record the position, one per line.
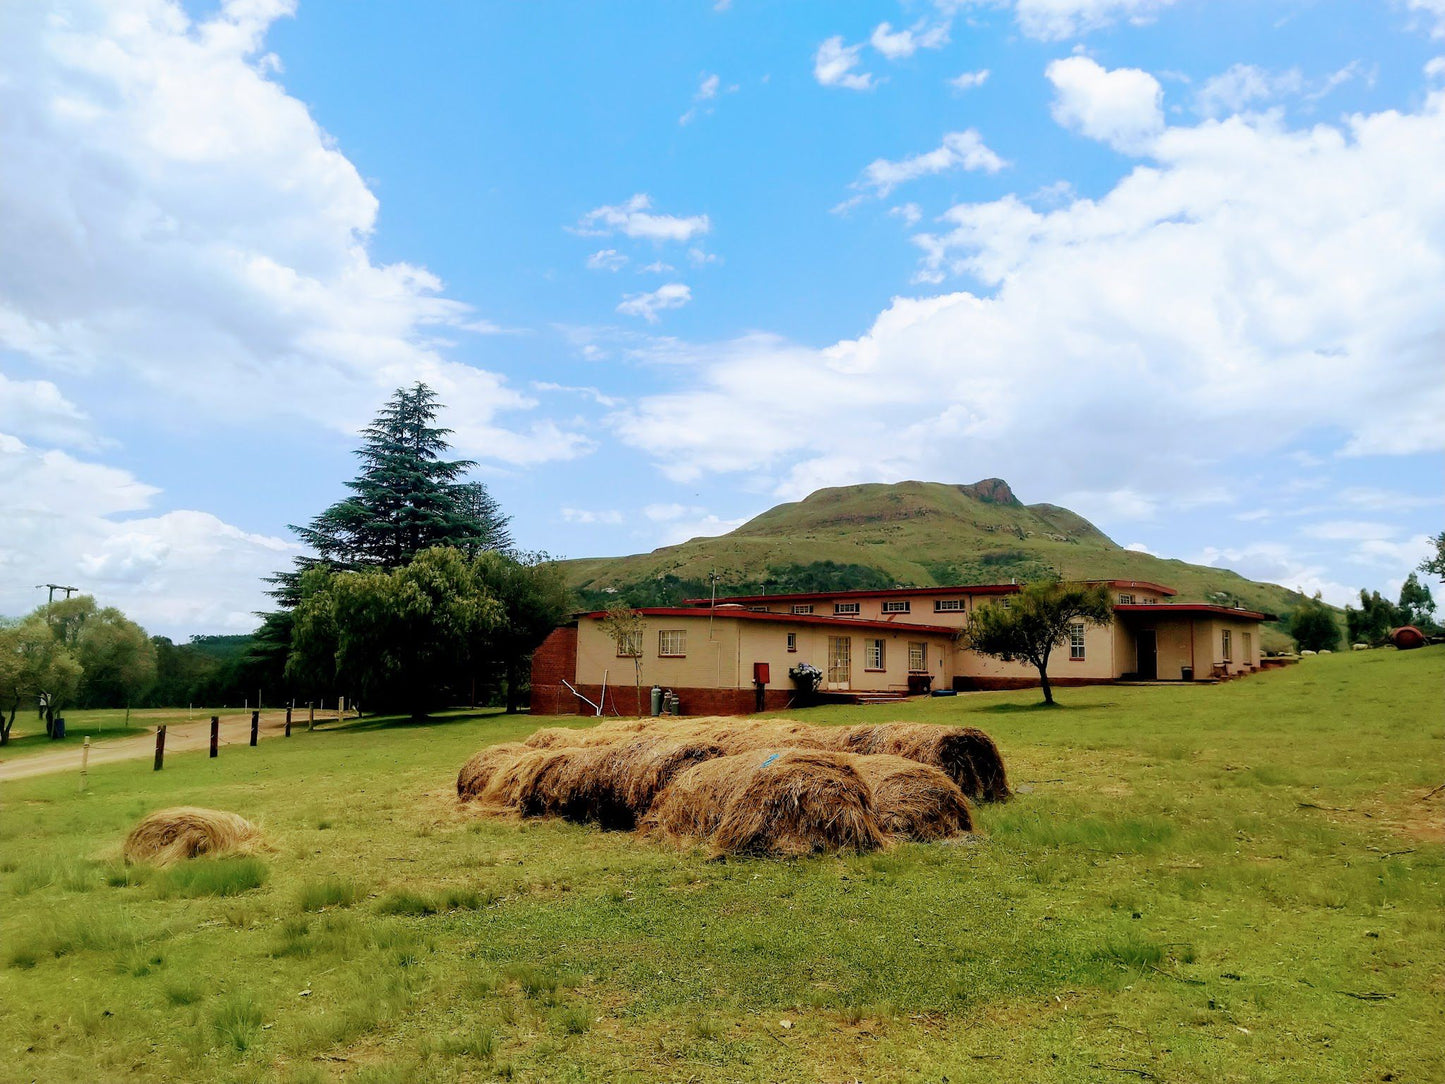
(554, 661)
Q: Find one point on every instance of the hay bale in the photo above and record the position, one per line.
(631, 774)
(966, 754)
(477, 772)
(781, 802)
(530, 783)
(168, 835)
(914, 801)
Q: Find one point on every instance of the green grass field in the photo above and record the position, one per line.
(99, 724)
(1226, 883)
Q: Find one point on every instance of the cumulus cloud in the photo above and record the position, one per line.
(636, 219)
(969, 80)
(37, 409)
(959, 150)
(1056, 20)
(1245, 86)
(672, 295)
(68, 520)
(1276, 562)
(172, 218)
(1122, 107)
(1253, 284)
(606, 516)
(834, 64)
(900, 44)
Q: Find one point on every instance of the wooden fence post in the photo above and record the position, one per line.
(311, 719)
(255, 727)
(215, 734)
(288, 719)
(84, 761)
(160, 746)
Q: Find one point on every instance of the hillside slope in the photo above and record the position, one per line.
(910, 533)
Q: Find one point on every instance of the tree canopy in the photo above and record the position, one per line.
(1026, 627)
(1314, 625)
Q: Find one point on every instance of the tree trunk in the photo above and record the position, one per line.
(514, 668)
(1044, 682)
(6, 727)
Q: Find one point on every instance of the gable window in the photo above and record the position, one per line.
(1126, 600)
(947, 605)
(629, 645)
(872, 654)
(896, 606)
(792, 641)
(1226, 645)
(672, 643)
(802, 607)
(917, 656)
(846, 607)
(1076, 641)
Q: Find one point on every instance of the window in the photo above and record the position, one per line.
(672, 643)
(759, 609)
(846, 607)
(840, 660)
(872, 654)
(629, 645)
(1249, 648)
(792, 641)
(1126, 600)
(802, 607)
(947, 605)
(917, 656)
(1076, 641)
(896, 606)
(1226, 645)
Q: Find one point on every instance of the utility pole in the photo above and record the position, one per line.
(50, 596)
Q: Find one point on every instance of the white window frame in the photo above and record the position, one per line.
(845, 609)
(948, 605)
(1077, 649)
(792, 641)
(1126, 600)
(672, 638)
(1226, 645)
(897, 606)
(802, 607)
(875, 655)
(917, 653)
(629, 645)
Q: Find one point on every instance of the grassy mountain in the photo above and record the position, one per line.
(912, 533)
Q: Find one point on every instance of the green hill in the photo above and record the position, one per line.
(909, 534)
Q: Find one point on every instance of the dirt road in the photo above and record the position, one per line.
(180, 738)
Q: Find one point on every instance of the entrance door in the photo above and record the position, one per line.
(840, 662)
(1148, 648)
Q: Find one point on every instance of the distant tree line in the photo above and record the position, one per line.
(670, 590)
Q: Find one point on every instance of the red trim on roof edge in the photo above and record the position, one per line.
(1194, 608)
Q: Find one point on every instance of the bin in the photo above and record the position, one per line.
(1186, 673)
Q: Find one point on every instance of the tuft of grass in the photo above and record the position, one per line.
(327, 892)
(480, 1043)
(574, 1020)
(237, 1022)
(182, 992)
(211, 877)
(403, 901)
(1135, 953)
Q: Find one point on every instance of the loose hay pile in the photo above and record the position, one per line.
(168, 835)
(766, 787)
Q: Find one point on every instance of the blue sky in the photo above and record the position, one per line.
(1175, 264)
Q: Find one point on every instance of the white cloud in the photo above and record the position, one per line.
(657, 267)
(1435, 68)
(163, 200)
(911, 213)
(1434, 9)
(1122, 107)
(76, 522)
(1274, 562)
(37, 409)
(707, 91)
(606, 259)
(834, 62)
(635, 219)
(605, 517)
(959, 150)
(1140, 547)
(1253, 287)
(969, 80)
(1055, 20)
(1384, 499)
(1244, 86)
(1351, 530)
(1402, 557)
(673, 295)
(900, 44)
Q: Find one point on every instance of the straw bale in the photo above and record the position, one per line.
(914, 801)
(168, 835)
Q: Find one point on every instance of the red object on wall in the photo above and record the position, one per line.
(761, 673)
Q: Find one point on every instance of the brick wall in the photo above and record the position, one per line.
(623, 700)
(554, 661)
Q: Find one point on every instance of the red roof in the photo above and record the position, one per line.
(889, 592)
(1194, 608)
(737, 613)
(1138, 585)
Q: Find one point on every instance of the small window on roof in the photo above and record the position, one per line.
(1126, 600)
(945, 605)
(896, 606)
(846, 607)
(802, 607)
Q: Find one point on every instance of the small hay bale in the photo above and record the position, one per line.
(168, 835)
(915, 801)
(636, 772)
(477, 772)
(530, 782)
(783, 802)
(966, 754)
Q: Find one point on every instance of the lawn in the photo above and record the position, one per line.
(99, 724)
(1205, 883)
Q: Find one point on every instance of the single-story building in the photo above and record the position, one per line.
(733, 655)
